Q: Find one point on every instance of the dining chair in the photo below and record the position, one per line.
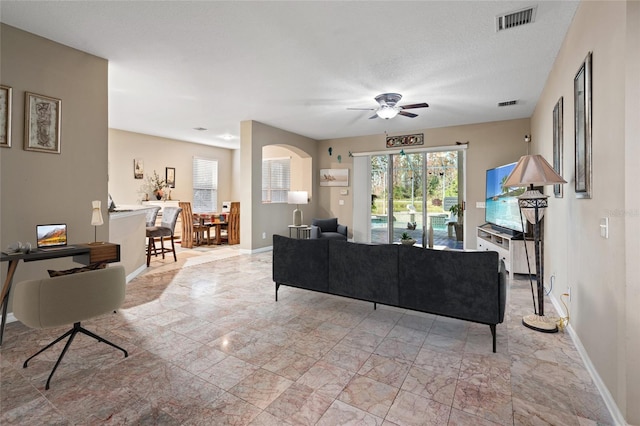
(166, 229)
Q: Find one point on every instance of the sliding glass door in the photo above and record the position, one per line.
(411, 192)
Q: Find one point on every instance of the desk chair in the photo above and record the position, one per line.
(69, 299)
(166, 229)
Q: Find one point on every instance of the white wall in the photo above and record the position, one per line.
(602, 273)
(159, 153)
(38, 187)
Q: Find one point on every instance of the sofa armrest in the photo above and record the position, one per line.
(315, 232)
(342, 229)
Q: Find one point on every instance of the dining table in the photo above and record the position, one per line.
(218, 222)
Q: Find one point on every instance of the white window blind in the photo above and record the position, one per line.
(276, 179)
(205, 185)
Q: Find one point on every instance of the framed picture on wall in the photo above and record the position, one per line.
(557, 145)
(42, 123)
(138, 168)
(582, 111)
(5, 116)
(334, 177)
(170, 177)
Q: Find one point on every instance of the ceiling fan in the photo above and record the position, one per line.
(388, 107)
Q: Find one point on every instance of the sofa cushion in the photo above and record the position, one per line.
(301, 263)
(364, 271)
(326, 225)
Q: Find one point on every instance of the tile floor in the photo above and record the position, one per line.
(209, 345)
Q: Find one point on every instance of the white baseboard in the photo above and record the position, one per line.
(136, 272)
(10, 317)
(259, 250)
(615, 412)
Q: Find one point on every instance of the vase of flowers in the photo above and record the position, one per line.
(157, 185)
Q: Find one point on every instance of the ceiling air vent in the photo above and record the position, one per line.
(515, 19)
(507, 103)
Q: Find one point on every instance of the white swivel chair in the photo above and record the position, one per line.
(69, 299)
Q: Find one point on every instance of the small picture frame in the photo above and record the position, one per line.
(170, 176)
(334, 177)
(42, 123)
(138, 168)
(558, 144)
(5, 116)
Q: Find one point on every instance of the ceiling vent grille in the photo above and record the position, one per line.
(507, 103)
(515, 19)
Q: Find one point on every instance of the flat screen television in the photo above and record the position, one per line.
(501, 204)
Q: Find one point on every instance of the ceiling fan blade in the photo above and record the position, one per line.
(407, 114)
(421, 105)
(373, 116)
(362, 109)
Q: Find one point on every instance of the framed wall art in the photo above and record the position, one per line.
(557, 145)
(170, 176)
(138, 168)
(5, 116)
(42, 123)
(582, 119)
(405, 140)
(334, 177)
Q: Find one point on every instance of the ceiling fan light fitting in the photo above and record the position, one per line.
(387, 112)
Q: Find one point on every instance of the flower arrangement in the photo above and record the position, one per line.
(154, 184)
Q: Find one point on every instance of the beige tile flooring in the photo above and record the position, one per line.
(209, 345)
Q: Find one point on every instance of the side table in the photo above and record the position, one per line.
(302, 231)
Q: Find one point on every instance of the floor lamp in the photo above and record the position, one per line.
(534, 171)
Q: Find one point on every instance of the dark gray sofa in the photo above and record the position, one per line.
(468, 285)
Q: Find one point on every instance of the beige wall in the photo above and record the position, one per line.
(602, 273)
(490, 145)
(266, 219)
(40, 187)
(159, 153)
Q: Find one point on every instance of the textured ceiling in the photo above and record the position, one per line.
(178, 65)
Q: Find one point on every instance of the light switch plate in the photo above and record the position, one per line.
(480, 205)
(604, 227)
(341, 202)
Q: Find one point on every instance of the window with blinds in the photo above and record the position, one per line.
(205, 185)
(276, 178)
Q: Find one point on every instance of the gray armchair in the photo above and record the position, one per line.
(328, 228)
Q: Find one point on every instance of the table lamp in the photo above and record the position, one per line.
(297, 198)
(96, 220)
(533, 171)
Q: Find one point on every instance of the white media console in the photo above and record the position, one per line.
(509, 249)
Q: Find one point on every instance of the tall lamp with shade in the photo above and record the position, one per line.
(96, 219)
(297, 198)
(534, 171)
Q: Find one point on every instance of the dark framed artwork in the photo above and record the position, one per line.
(42, 123)
(558, 144)
(138, 168)
(5, 116)
(582, 111)
(170, 176)
(405, 140)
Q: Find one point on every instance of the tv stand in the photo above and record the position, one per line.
(510, 248)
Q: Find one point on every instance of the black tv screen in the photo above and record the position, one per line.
(501, 204)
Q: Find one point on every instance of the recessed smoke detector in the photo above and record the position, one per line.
(515, 19)
(507, 103)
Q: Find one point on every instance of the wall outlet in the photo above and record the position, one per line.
(480, 205)
(569, 293)
(341, 202)
(264, 235)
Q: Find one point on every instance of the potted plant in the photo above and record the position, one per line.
(458, 210)
(406, 239)
(158, 185)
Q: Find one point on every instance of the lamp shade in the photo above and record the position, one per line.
(297, 197)
(533, 170)
(96, 214)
